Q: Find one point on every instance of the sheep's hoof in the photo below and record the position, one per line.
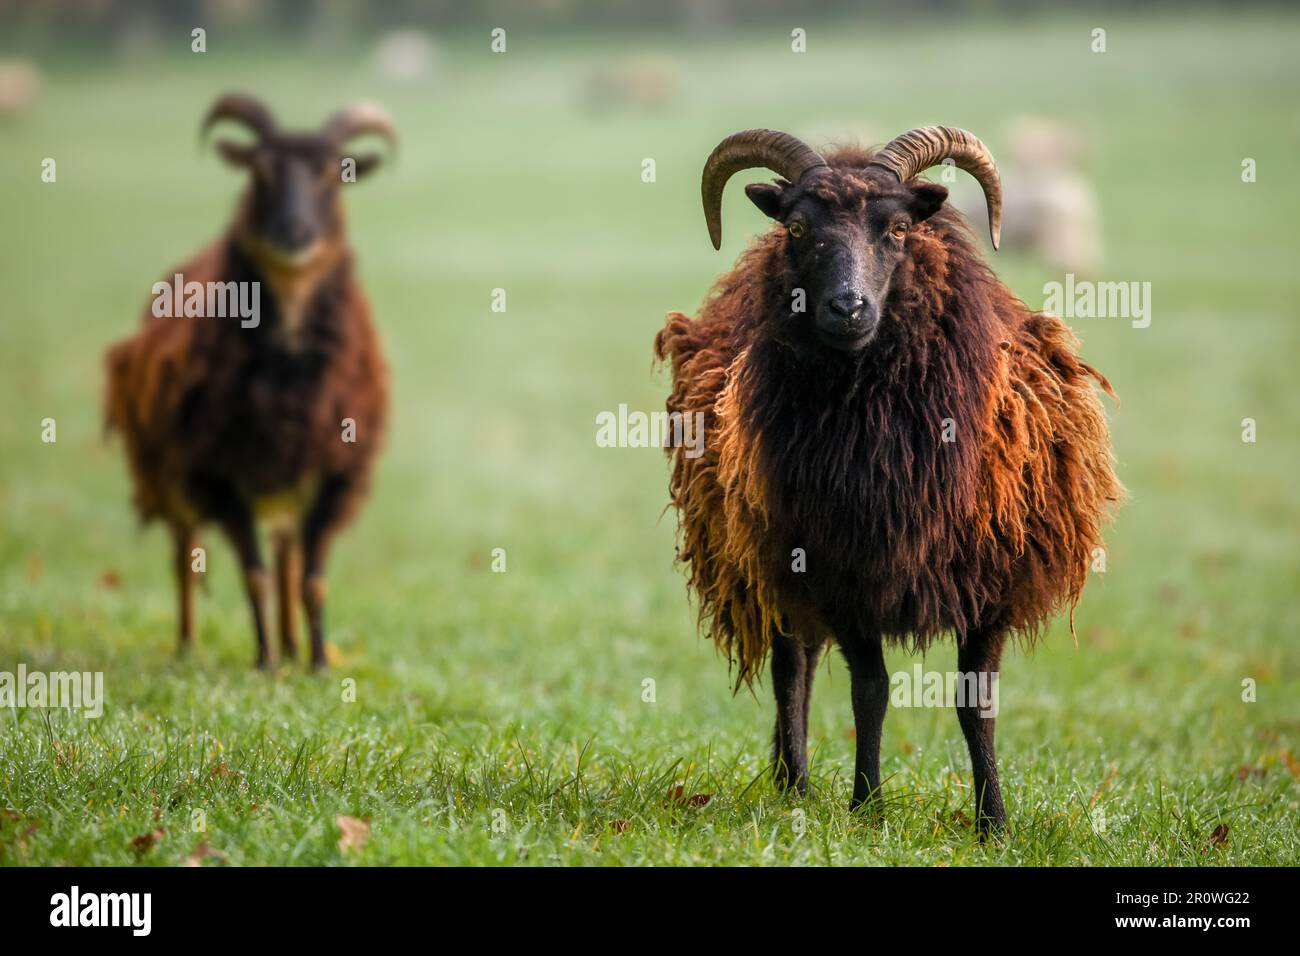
(993, 830)
(870, 808)
(789, 786)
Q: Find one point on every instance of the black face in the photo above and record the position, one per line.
(294, 200)
(847, 233)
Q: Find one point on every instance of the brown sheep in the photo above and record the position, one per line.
(932, 448)
(240, 421)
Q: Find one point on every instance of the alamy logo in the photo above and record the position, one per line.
(74, 908)
(922, 688)
(71, 690)
(626, 429)
(211, 300)
(1099, 300)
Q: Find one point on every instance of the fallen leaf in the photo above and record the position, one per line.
(110, 579)
(699, 800)
(1220, 835)
(203, 852)
(353, 833)
(147, 841)
(1291, 762)
(618, 826)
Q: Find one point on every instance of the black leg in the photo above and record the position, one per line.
(326, 511)
(286, 592)
(240, 527)
(978, 657)
(794, 666)
(184, 539)
(870, 691)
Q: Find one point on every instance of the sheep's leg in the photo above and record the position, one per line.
(286, 592)
(184, 545)
(870, 692)
(977, 662)
(237, 521)
(794, 666)
(318, 527)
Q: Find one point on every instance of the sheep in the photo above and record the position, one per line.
(271, 422)
(912, 453)
(1051, 210)
(20, 86)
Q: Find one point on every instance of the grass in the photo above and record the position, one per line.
(499, 717)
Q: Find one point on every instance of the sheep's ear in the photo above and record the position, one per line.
(239, 155)
(767, 197)
(926, 200)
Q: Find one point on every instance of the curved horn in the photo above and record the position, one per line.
(782, 153)
(917, 150)
(241, 108)
(355, 120)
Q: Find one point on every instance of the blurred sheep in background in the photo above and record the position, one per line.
(1051, 208)
(20, 84)
(636, 84)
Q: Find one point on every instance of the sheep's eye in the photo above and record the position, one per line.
(797, 230)
(898, 231)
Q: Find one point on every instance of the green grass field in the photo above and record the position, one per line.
(499, 717)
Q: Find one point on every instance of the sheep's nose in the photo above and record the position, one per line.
(295, 234)
(848, 306)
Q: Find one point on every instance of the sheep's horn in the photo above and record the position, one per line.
(919, 149)
(241, 108)
(359, 119)
(782, 153)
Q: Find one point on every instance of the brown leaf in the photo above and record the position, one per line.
(203, 852)
(353, 833)
(676, 794)
(147, 841)
(699, 800)
(1291, 763)
(1220, 835)
(32, 827)
(110, 579)
(619, 826)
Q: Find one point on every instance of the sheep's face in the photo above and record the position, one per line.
(293, 212)
(846, 234)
